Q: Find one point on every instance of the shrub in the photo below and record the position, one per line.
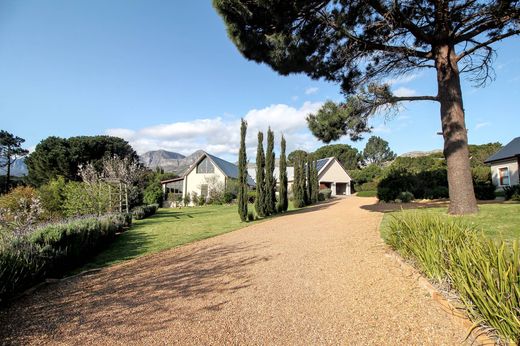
(52, 197)
(153, 193)
(144, 211)
(405, 197)
(18, 199)
(250, 216)
(511, 191)
(228, 197)
(370, 186)
(325, 194)
(485, 274)
(251, 196)
(484, 190)
(52, 250)
(186, 200)
(202, 200)
(437, 192)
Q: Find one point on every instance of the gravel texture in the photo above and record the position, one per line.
(317, 276)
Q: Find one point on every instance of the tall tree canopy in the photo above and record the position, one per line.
(242, 173)
(295, 156)
(377, 151)
(348, 156)
(359, 44)
(55, 156)
(10, 150)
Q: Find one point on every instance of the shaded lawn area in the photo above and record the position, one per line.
(167, 229)
(497, 220)
(170, 228)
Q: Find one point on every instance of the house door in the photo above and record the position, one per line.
(341, 189)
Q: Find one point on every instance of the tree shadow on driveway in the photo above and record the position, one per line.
(138, 297)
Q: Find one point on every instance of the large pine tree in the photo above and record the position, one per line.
(260, 176)
(282, 193)
(362, 44)
(270, 181)
(242, 173)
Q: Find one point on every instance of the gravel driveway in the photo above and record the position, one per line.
(319, 276)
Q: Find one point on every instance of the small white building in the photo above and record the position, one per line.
(206, 173)
(331, 175)
(504, 165)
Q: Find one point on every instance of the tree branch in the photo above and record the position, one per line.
(487, 24)
(414, 98)
(485, 44)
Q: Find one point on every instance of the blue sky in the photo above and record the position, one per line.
(164, 75)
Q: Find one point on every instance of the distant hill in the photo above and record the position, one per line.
(421, 153)
(18, 168)
(169, 161)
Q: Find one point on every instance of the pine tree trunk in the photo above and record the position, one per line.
(8, 173)
(456, 152)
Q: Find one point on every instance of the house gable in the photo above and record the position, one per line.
(333, 171)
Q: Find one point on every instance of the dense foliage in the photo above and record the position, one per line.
(349, 157)
(10, 151)
(377, 151)
(270, 180)
(55, 156)
(144, 211)
(283, 203)
(484, 273)
(299, 186)
(260, 176)
(242, 173)
(52, 250)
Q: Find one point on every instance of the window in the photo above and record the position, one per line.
(205, 166)
(204, 190)
(503, 173)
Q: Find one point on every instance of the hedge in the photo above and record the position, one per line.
(484, 273)
(53, 250)
(144, 211)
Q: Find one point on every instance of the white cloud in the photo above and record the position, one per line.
(221, 136)
(311, 90)
(403, 91)
(481, 125)
(402, 79)
(294, 98)
(381, 128)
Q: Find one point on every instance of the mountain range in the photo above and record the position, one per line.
(168, 160)
(18, 168)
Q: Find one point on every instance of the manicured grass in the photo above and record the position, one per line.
(500, 221)
(170, 228)
(167, 229)
(367, 194)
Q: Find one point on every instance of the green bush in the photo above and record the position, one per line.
(228, 197)
(144, 211)
(370, 186)
(251, 196)
(54, 249)
(324, 194)
(153, 193)
(405, 197)
(512, 192)
(485, 274)
(437, 192)
(484, 190)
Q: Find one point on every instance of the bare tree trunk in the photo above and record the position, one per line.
(456, 152)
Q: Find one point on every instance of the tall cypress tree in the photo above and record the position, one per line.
(282, 193)
(314, 181)
(270, 182)
(303, 178)
(260, 176)
(299, 182)
(242, 173)
(308, 176)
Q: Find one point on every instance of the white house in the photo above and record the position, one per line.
(505, 163)
(204, 174)
(331, 175)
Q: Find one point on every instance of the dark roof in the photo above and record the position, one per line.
(229, 169)
(321, 163)
(511, 150)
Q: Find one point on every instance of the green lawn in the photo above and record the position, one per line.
(501, 221)
(170, 228)
(367, 194)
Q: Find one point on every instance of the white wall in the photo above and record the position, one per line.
(513, 172)
(194, 180)
(334, 173)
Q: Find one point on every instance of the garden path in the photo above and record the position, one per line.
(316, 276)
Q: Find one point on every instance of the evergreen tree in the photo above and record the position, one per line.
(298, 186)
(270, 181)
(314, 181)
(260, 177)
(358, 44)
(10, 150)
(282, 193)
(308, 175)
(377, 151)
(242, 173)
(303, 177)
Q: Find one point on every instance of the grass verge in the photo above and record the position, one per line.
(367, 194)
